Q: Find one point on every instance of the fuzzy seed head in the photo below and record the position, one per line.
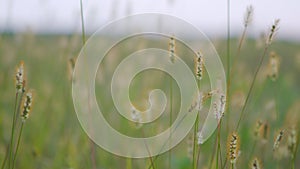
(265, 132)
(273, 31)
(274, 63)
(20, 82)
(27, 105)
(257, 130)
(190, 145)
(248, 16)
(172, 47)
(220, 107)
(233, 147)
(198, 104)
(292, 142)
(199, 65)
(278, 140)
(71, 66)
(199, 137)
(256, 164)
(200, 101)
(136, 117)
(208, 95)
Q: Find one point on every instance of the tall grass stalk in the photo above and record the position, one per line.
(195, 158)
(16, 107)
(219, 145)
(18, 144)
(251, 86)
(267, 45)
(228, 64)
(170, 121)
(227, 84)
(128, 163)
(293, 160)
(247, 20)
(213, 153)
(92, 144)
(195, 142)
(18, 100)
(5, 158)
(82, 23)
(152, 165)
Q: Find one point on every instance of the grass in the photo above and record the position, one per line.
(53, 137)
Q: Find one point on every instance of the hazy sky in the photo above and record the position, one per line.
(208, 15)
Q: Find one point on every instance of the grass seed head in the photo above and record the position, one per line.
(292, 142)
(257, 130)
(233, 147)
(265, 132)
(190, 145)
(20, 78)
(219, 108)
(248, 16)
(278, 139)
(27, 105)
(274, 64)
(199, 138)
(172, 48)
(273, 31)
(199, 65)
(256, 164)
(198, 104)
(71, 67)
(136, 117)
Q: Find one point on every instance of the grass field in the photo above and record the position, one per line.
(53, 138)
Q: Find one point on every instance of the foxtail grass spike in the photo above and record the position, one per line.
(27, 106)
(172, 48)
(248, 16)
(273, 31)
(256, 164)
(20, 78)
(233, 148)
(199, 65)
(292, 142)
(278, 139)
(274, 66)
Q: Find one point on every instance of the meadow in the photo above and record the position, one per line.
(53, 138)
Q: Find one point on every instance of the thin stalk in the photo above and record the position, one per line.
(251, 86)
(224, 165)
(93, 150)
(195, 134)
(252, 149)
(195, 142)
(241, 42)
(276, 94)
(232, 165)
(170, 120)
(179, 122)
(220, 152)
(228, 65)
(12, 130)
(198, 157)
(218, 146)
(148, 151)
(213, 154)
(18, 144)
(232, 69)
(82, 23)
(5, 158)
(128, 163)
(295, 152)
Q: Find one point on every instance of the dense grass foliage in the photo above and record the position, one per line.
(53, 138)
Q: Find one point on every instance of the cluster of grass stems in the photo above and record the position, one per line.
(217, 159)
